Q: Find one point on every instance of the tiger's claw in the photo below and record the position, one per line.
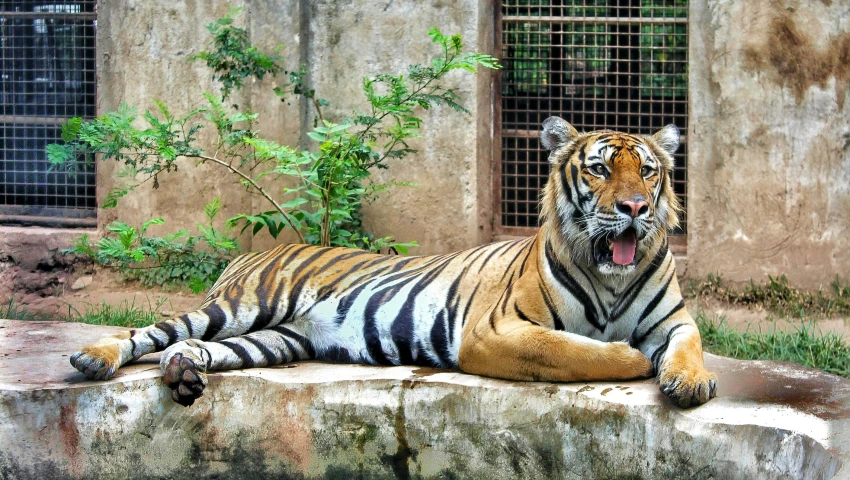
(688, 387)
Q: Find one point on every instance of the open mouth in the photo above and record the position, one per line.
(618, 249)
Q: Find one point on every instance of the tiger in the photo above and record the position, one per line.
(592, 296)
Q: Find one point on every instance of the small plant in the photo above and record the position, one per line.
(805, 345)
(778, 296)
(328, 184)
(125, 314)
(12, 310)
(176, 259)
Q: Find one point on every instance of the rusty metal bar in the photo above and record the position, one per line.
(25, 120)
(49, 15)
(597, 20)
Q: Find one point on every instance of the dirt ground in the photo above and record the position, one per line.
(105, 288)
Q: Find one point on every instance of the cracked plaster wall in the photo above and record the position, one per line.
(769, 140)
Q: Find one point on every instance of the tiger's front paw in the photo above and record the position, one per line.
(97, 362)
(185, 377)
(687, 386)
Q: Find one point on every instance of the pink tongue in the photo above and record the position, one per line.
(624, 248)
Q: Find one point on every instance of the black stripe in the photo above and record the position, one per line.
(268, 355)
(186, 321)
(454, 303)
(346, 302)
(522, 315)
(401, 329)
(241, 352)
(527, 254)
(567, 281)
(306, 344)
(659, 352)
(475, 254)
(440, 342)
(595, 293)
(466, 309)
(397, 271)
(371, 336)
(268, 302)
(291, 354)
(338, 355)
(506, 297)
(509, 266)
(369, 277)
(556, 317)
(217, 319)
(574, 175)
(625, 301)
(158, 344)
(169, 330)
(641, 338)
(494, 252)
(295, 290)
(565, 184)
(233, 295)
(650, 307)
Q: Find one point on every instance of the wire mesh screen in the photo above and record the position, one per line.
(47, 54)
(616, 64)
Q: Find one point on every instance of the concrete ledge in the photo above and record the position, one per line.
(317, 420)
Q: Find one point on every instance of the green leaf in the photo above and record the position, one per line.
(293, 203)
(71, 129)
(197, 285)
(59, 154)
(316, 136)
(212, 208)
(153, 221)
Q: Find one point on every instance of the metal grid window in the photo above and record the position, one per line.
(617, 64)
(47, 54)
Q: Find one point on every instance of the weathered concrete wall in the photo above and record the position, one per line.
(143, 50)
(769, 141)
(143, 56)
(315, 420)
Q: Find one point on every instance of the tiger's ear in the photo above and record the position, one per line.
(667, 138)
(556, 133)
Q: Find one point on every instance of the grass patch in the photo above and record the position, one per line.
(806, 345)
(125, 314)
(779, 297)
(12, 310)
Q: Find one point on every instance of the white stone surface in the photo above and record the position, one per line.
(316, 420)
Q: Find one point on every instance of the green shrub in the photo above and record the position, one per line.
(177, 259)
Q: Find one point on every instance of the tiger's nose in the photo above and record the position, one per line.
(633, 209)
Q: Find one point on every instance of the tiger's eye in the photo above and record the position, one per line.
(598, 169)
(646, 172)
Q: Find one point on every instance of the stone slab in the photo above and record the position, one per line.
(316, 420)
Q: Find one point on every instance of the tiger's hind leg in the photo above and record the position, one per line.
(214, 321)
(185, 365)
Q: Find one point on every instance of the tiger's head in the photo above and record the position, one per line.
(609, 199)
